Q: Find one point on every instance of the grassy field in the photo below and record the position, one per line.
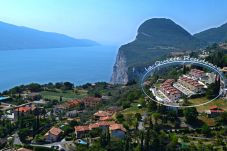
(133, 109)
(208, 121)
(220, 103)
(66, 95)
(197, 101)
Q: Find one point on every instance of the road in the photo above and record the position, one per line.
(17, 140)
(62, 145)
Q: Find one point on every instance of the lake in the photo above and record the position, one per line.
(78, 65)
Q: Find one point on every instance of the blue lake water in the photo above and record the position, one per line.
(78, 65)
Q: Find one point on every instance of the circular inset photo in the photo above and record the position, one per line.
(183, 83)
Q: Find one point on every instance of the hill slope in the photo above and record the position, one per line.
(214, 35)
(17, 37)
(156, 38)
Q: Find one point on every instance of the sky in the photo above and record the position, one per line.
(110, 22)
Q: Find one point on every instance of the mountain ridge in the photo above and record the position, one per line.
(156, 38)
(213, 35)
(20, 37)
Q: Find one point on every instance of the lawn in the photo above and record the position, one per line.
(208, 121)
(66, 95)
(222, 103)
(197, 101)
(133, 109)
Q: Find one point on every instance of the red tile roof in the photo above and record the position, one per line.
(102, 114)
(117, 127)
(217, 111)
(105, 123)
(81, 128)
(69, 104)
(91, 98)
(191, 81)
(197, 71)
(213, 107)
(55, 131)
(24, 109)
(95, 125)
(167, 86)
(23, 149)
(105, 118)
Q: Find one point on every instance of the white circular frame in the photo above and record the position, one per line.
(183, 61)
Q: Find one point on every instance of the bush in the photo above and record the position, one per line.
(120, 118)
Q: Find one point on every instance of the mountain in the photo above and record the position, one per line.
(17, 37)
(155, 38)
(214, 35)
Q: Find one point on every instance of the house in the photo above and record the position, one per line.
(224, 70)
(196, 73)
(23, 149)
(77, 119)
(105, 97)
(105, 124)
(191, 84)
(72, 114)
(100, 114)
(105, 118)
(67, 105)
(81, 131)
(113, 109)
(214, 111)
(171, 92)
(31, 96)
(23, 111)
(91, 101)
(53, 134)
(117, 130)
(93, 126)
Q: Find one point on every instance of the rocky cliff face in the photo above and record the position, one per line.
(155, 39)
(120, 70)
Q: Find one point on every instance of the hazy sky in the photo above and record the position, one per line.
(110, 21)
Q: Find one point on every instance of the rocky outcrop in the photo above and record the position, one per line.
(120, 70)
(155, 39)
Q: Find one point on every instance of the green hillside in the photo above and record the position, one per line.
(214, 35)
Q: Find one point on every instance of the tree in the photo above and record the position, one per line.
(213, 89)
(1, 113)
(152, 106)
(120, 117)
(142, 141)
(138, 116)
(190, 114)
(68, 86)
(67, 130)
(205, 130)
(222, 118)
(156, 116)
(34, 87)
(37, 112)
(147, 141)
(23, 133)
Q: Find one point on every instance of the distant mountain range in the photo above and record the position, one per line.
(214, 35)
(155, 39)
(18, 37)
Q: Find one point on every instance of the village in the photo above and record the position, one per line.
(61, 116)
(62, 120)
(192, 84)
